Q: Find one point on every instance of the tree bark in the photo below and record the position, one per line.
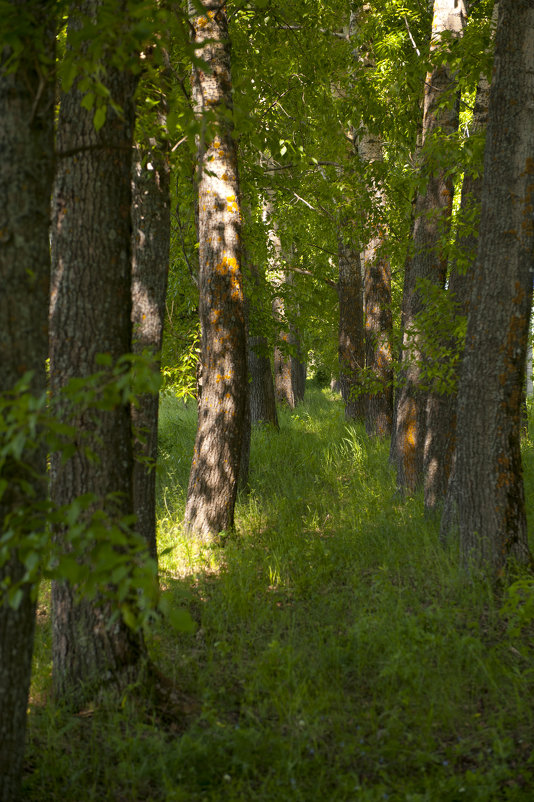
(432, 220)
(351, 338)
(378, 329)
(377, 308)
(261, 385)
(90, 315)
(216, 461)
(485, 503)
(26, 169)
(289, 368)
(150, 266)
(261, 389)
(440, 437)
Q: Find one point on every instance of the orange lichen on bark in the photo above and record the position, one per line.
(409, 445)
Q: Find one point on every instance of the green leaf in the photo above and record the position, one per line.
(99, 117)
(14, 597)
(88, 101)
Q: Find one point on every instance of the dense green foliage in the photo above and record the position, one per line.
(339, 653)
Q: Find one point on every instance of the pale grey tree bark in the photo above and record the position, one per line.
(215, 467)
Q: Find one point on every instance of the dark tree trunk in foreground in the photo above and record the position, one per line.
(351, 342)
(26, 169)
(150, 265)
(440, 438)
(216, 460)
(432, 220)
(486, 501)
(90, 315)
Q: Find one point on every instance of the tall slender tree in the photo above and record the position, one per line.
(486, 500)
(440, 436)
(216, 460)
(351, 341)
(261, 385)
(90, 314)
(378, 316)
(26, 169)
(427, 264)
(150, 265)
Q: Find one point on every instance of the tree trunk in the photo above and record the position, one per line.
(378, 329)
(262, 400)
(26, 169)
(432, 220)
(377, 309)
(90, 315)
(351, 339)
(261, 385)
(215, 469)
(486, 501)
(150, 265)
(289, 368)
(441, 407)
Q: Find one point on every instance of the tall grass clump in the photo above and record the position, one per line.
(340, 653)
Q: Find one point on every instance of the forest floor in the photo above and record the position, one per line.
(340, 653)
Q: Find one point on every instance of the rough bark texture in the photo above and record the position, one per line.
(90, 314)
(377, 309)
(432, 215)
(378, 326)
(261, 388)
(440, 439)
(216, 461)
(351, 338)
(26, 168)
(262, 401)
(150, 266)
(486, 500)
(289, 368)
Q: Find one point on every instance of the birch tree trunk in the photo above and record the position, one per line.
(216, 461)
(486, 501)
(90, 315)
(26, 169)
(432, 216)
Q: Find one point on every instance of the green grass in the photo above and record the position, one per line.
(340, 653)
